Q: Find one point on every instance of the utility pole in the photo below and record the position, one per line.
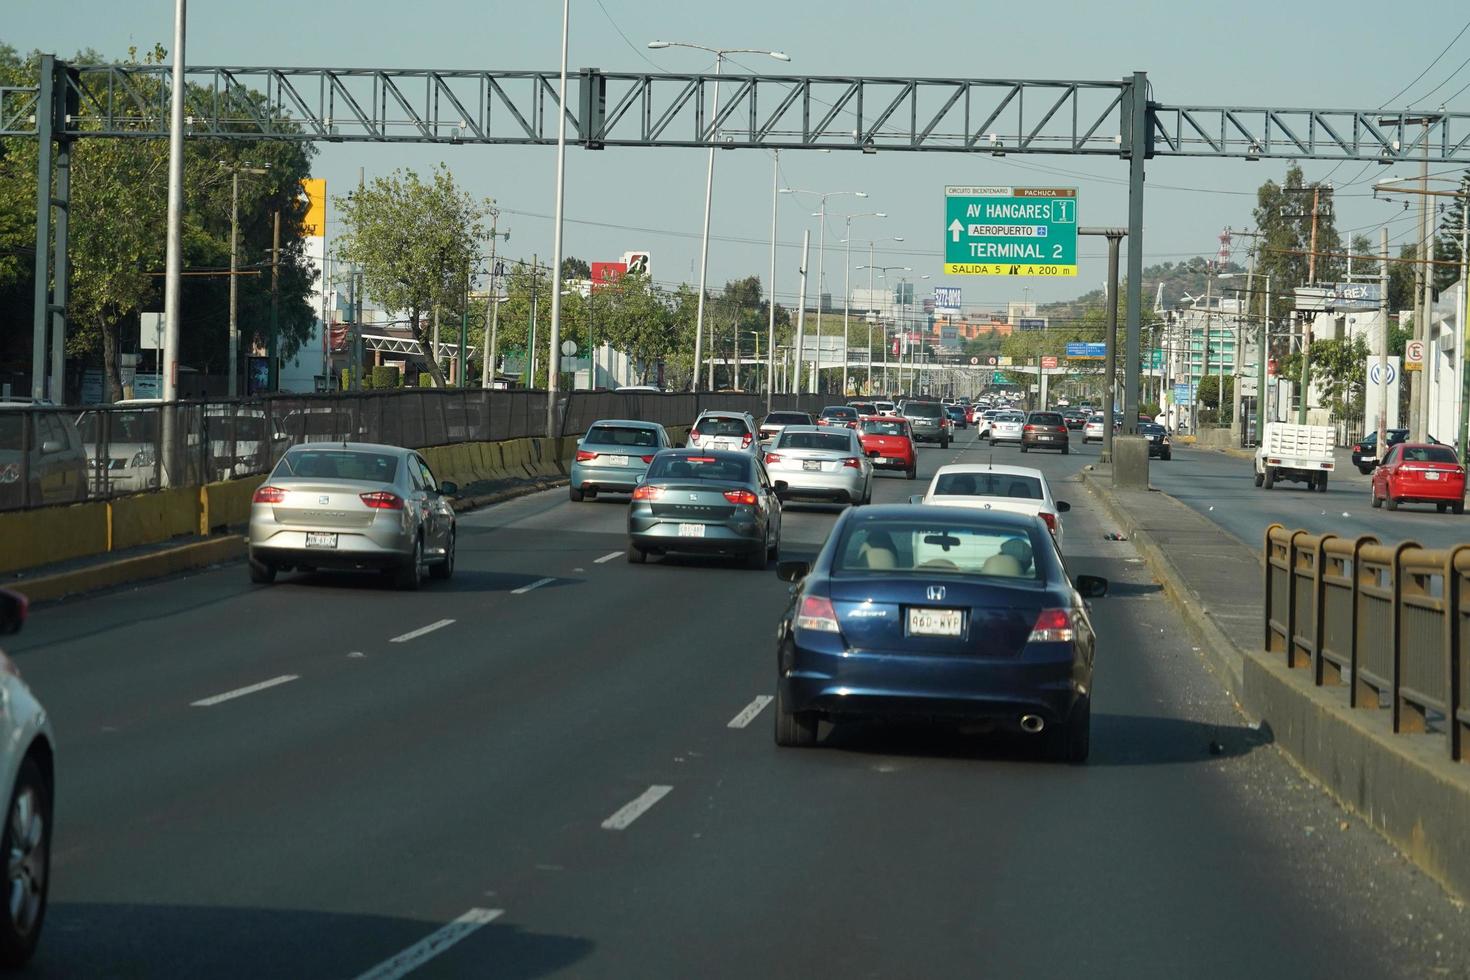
(354, 308)
(806, 240)
(234, 386)
(531, 332)
(1462, 312)
(821, 255)
(1381, 444)
(771, 288)
(491, 345)
(275, 367)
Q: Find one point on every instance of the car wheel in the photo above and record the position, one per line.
(1023, 447)
(1260, 478)
(411, 573)
(911, 473)
(1072, 742)
(773, 553)
(794, 729)
(262, 573)
(1442, 507)
(1389, 499)
(756, 560)
(1458, 506)
(445, 568)
(1168, 456)
(1365, 470)
(1321, 482)
(576, 495)
(26, 845)
(1377, 500)
(1066, 450)
(636, 555)
(1269, 480)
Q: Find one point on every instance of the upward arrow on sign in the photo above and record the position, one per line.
(954, 230)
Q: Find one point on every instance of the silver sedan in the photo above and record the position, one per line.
(353, 506)
(821, 463)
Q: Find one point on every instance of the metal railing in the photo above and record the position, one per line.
(51, 456)
(1389, 622)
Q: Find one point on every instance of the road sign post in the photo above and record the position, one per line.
(1010, 231)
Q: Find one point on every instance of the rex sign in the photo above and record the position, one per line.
(1010, 231)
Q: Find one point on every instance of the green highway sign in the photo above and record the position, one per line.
(1010, 231)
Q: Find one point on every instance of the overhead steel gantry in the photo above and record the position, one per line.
(615, 109)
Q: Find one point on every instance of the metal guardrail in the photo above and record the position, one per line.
(51, 455)
(1390, 622)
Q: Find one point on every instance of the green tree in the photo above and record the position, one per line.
(414, 241)
(1283, 216)
(1447, 247)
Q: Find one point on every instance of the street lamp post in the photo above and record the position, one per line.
(847, 293)
(820, 213)
(883, 271)
(709, 181)
(235, 172)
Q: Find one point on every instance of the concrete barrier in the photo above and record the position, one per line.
(51, 534)
(227, 503)
(147, 518)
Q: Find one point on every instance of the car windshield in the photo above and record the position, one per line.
(788, 418)
(1429, 454)
(928, 547)
(1151, 428)
(338, 464)
(884, 427)
(123, 426)
(1045, 418)
(719, 468)
(620, 435)
(929, 410)
(722, 425)
(837, 442)
(988, 484)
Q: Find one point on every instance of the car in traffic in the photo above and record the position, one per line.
(774, 422)
(47, 465)
(1017, 489)
(1045, 430)
(121, 441)
(863, 408)
(889, 443)
(353, 506)
(957, 416)
(613, 456)
(927, 421)
(913, 613)
(1007, 426)
(242, 440)
(1420, 473)
(27, 766)
(1365, 450)
(1158, 440)
(838, 415)
(694, 501)
(1095, 429)
(821, 463)
(729, 431)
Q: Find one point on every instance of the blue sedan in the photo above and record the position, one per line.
(938, 614)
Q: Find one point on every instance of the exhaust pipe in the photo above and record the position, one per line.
(1032, 723)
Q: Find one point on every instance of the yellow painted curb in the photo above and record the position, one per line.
(183, 558)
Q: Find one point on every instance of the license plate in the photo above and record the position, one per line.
(613, 460)
(811, 464)
(935, 622)
(691, 530)
(319, 539)
(1431, 475)
(894, 459)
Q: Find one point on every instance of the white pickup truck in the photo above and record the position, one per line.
(1300, 453)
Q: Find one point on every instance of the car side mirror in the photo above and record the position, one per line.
(917, 498)
(792, 571)
(1063, 506)
(781, 487)
(448, 488)
(52, 446)
(13, 609)
(1092, 586)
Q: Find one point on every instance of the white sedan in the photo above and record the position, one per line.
(1018, 489)
(1093, 429)
(26, 766)
(1007, 427)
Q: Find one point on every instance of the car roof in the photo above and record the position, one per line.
(984, 468)
(824, 429)
(953, 514)
(726, 454)
(634, 423)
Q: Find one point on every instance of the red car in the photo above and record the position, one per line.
(1420, 473)
(969, 414)
(889, 443)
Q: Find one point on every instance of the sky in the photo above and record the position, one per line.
(1249, 53)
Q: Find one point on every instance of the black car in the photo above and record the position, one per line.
(1365, 450)
(1158, 440)
(1075, 417)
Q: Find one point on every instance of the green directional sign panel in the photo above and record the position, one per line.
(1010, 231)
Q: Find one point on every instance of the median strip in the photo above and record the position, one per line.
(636, 809)
(534, 585)
(240, 692)
(415, 634)
(748, 713)
(432, 945)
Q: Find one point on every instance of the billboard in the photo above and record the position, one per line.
(947, 300)
(1087, 351)
(607, 273)
(1031, 323)
(638, 264)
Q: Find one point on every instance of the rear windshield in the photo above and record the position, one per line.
(928, 410)
(837, 442)
(1151, 428)
(700, 468)
(988, 485)
(124, 426)
(863, 408)
(839, 412)
(338, 464)
(1429, 454)
(1045, 418)
(934, 546)
(885, 427)
(788, 418)
(620, 435)
(245, 428)
(723, 425)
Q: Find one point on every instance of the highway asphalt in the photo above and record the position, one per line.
(1222, 487)
(558, 764)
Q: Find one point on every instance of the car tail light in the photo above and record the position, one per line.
(583, 456)
(700, 459)
(772, 458)
(816, 613)
(1029, 428)
(1051, 520)
(647, 491)
(646, 459)
(740, 497)
(853, 461)
(382, 500)
(745, 441)
(269, 495)
(1053, 626)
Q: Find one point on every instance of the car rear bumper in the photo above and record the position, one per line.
(738, 536)
(617, 479)
(954, 687)
(1033, 441)
(891, 462)
(803, 485)
(1429, 491)
(351, 552)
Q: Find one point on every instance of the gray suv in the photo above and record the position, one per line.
(926, 419)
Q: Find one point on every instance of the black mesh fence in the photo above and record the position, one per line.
(54, 456)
